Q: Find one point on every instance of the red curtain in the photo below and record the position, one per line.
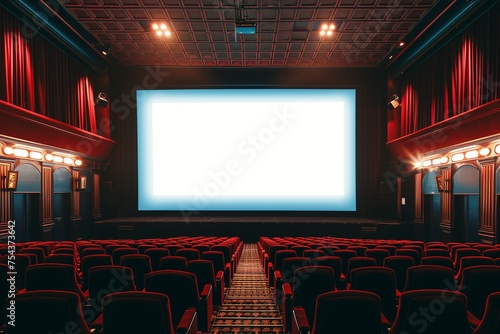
(460, 76)
(39, 77)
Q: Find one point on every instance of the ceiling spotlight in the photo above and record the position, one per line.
(327, 29)
(394, 103)
(401, 44)
(155, 26)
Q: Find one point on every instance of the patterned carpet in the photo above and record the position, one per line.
(248, 307)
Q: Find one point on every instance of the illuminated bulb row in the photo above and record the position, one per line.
(22, 153)
(472, 154)
(327, 29)
(161, 29)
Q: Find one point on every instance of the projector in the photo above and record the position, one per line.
(245, 27)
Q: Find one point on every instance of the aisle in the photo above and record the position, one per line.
(249, 306)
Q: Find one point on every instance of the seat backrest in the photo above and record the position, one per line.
(400, 265)
(438, 261)
(119, 252)
(358, 262)
(345, 255)
(290, 265)
(309, 283)
(140, 265)
(217, 258)
(410, 252)
(333, 262)
(155, 254)
(204, 271)
(378, 254)
(429, 277)
(445, 312)
(300, 249)
(280, 255)
(392, 249)
(53, 276)
(437, 252)
(93, 260)
(490, 323)
(381, 281)
(134, 312)
(348, 312)
(38, 251)
(465, 252)
(91, 251)
(360, 250)
(493, 253)
(173, 263)
(313, 253)
(180, 286)
(22, 262)
(61, 258)
(188, 253)
(107, 279)
(477, 283)
(471, 261)
(42, 312)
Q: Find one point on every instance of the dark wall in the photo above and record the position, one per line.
(119, 195)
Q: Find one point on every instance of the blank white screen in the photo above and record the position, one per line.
(247, 149)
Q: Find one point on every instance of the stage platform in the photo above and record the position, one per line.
(250, 229)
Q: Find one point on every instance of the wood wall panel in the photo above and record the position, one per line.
(418, 197)
(76, 195)
(96, 197)
(446, 197)
(47, 194)
(5, 196)
(487, 196)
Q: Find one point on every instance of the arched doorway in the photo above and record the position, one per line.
(466, 204)
(62, 204)
(27, 213)
(432, 207)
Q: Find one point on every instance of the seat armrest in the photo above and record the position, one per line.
(188, 323)
(277, 287)
(205, 311)
(473, 321)
(300, 325)
(219, 288)
(286, 306)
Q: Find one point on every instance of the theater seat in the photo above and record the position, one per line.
(490, 323)
(49, 311)
(182, 290)
(346, 312)
(143, 312)
(309, 283)
(429, 277)
(431, 311)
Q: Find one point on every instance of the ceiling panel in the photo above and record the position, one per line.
(287, 34)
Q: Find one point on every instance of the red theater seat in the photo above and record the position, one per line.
(50, 311)
(431, 311)
(182, 290)
(309, 283)
(144, 312)
(346, 312)
(490, 323)
(429, 277)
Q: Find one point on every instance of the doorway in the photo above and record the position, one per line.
(27, 217)
(465, 204)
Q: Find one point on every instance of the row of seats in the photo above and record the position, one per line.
(104, 267)
(354, 266)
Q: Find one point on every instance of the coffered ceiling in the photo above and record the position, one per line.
(287, 31)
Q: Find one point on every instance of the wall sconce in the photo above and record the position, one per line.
(101, 100)
(442, 184)
(81, 183)
(10, 180)
(394, 103)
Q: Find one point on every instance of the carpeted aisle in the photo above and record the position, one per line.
(248, 307)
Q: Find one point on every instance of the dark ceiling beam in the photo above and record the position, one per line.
(51, 20)
(444, 21)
